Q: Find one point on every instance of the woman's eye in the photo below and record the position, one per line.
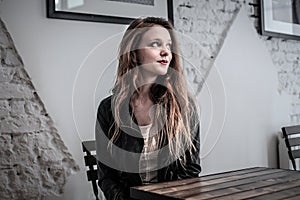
(155, 44)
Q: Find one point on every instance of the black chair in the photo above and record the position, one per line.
(292, 140)
(89, 148)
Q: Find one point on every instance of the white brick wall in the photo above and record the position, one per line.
(34, 160)
(286, 58)
(207, 22)
(202, 27)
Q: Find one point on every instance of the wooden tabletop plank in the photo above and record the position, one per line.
(171, 184)
(284, 194)
(233, 173)
(199, 182)
(244, 187)
(196, 190)
(259, 183)
(215, 183)
(292, 198)
(145, 195)
(259, 191)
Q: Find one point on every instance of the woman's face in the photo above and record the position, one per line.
(154, 52)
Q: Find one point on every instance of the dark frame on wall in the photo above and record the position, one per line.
(280, 18)
(52, 12)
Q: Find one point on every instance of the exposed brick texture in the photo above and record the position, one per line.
(207, 22)
(34, 160)
(286, 57)
(202, 28)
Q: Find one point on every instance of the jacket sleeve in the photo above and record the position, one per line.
(192, 166)
(108, 178)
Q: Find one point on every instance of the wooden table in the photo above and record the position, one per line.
(252, 183)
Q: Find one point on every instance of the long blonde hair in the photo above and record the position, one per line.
(172, 95)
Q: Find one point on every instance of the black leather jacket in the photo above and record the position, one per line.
(116, 182)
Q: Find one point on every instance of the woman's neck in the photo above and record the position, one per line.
(147, 79)
(142, 105)
(145, 90)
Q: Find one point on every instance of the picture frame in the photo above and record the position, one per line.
(280, 18)
(107, 11)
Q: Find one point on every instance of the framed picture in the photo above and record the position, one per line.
(109, 11)
(280, 18)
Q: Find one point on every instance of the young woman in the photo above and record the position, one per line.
(147, 131)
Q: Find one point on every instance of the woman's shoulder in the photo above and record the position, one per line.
(106, 100)
(105, 104)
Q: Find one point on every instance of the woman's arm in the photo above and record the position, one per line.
(192, 166)
(111, 188)
(108, 178)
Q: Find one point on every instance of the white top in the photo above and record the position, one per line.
(148, 159)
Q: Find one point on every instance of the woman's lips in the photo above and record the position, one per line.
(163, 62)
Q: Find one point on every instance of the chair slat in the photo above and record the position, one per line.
(90, 160)
(294, 141)
(296, 153)
(290, 130)
(89, 146)
(92, 175)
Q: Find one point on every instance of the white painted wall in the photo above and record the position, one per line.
(53, 51)
(254, 113)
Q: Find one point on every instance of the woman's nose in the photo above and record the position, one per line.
(164, 51)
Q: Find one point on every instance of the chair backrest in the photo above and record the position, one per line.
(292, 141)
(89, 148)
